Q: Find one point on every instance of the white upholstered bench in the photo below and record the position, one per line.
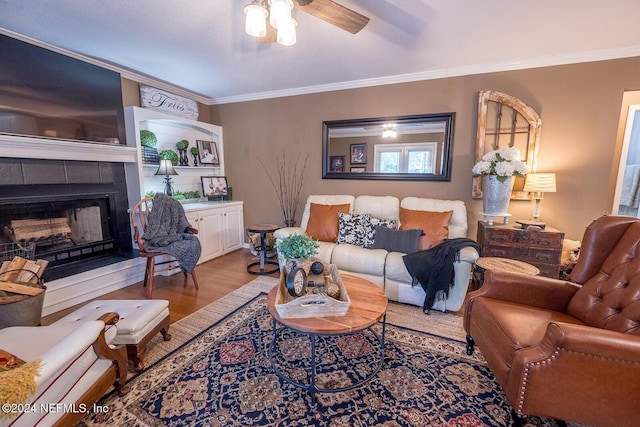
(140, 321)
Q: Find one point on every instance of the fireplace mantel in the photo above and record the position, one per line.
(24, 147)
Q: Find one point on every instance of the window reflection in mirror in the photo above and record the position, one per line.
(390, 148)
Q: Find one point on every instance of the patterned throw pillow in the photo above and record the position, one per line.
(370, 229)
(352, 228)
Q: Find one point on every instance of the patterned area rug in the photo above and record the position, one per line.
(223, 377)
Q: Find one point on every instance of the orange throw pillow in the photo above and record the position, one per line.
(323, 221)
(434, 225)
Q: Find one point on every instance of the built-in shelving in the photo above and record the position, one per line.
(169, 129)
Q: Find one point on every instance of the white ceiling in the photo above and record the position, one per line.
(201, 47)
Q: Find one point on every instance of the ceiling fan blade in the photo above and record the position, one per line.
(334, 13)
(271, 37)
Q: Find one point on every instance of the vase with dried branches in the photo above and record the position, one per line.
(287, 182)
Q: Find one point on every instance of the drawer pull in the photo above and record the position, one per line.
(542, 257)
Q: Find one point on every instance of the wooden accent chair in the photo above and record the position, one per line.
(568, 350)
(139, 219)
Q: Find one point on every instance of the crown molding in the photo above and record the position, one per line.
(540, 62)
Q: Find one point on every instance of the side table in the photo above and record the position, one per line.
(262, 261)
(540, 248)
(504, 264)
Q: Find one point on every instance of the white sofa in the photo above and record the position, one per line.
(77, 368)
(387, 269)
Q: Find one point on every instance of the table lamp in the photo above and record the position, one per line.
(166, 169)
(539, 183)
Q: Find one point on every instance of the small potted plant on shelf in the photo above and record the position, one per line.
(194, 153)
(297, 251)
(182, 149)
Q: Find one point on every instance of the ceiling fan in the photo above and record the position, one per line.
(281, 27)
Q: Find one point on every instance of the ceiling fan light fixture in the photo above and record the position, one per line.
(280, 10)
(389, 131)
(287, 32)
(256, 22)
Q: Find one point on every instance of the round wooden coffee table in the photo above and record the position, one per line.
(368, 307)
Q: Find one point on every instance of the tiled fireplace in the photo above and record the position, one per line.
(70, 199)
(76, 225)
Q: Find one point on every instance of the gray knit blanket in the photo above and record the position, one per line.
(165, 232)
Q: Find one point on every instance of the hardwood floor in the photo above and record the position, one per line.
(216, 278)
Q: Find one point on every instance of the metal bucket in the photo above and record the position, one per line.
(22, 310)
(496, 194)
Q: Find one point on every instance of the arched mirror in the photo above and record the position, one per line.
(411, 148)
(506, 121)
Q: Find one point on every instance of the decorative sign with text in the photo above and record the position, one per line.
(167, 102)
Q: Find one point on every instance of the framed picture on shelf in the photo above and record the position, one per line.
(214, 185)
(358, 169)
(336, 163)
(208, 153)
(358, 154)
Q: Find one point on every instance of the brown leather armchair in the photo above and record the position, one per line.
(568, 350)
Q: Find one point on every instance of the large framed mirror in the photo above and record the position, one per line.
(506, 121)
(409, 148)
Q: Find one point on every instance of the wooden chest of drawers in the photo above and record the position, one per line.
(541, 248)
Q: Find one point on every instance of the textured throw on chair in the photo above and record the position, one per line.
(166, 233)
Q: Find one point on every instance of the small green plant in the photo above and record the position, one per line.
(150, 194)
(148, 138)
(171, 155)
(182, 145)
(298, 246)
(179, 195)
(194, 151)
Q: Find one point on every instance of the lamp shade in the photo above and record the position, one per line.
(256, 22)
(287, 32)
(166, 168)
(280, 10)
(540, 183)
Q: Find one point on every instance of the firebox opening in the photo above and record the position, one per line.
(74, 233)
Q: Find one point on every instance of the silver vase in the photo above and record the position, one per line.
(496, 194)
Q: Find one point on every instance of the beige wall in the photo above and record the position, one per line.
(579, 105)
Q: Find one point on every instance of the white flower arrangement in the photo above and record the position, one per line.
(503, 163)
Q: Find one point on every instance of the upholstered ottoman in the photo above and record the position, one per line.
(140, 321)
